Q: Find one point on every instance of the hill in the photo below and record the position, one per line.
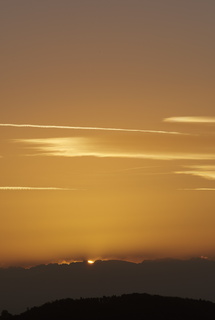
(132, 306)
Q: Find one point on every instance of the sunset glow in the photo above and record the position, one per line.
(107, 130)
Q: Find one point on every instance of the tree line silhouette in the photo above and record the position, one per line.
(133, 306)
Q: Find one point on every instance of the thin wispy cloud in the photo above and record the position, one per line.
(190, 119)
(209, 175)
(86, 128)
(199, 189)
(204, 167)
(9, 188)
(203, 171)
(138, 168)
(84, 147)
(205, 189)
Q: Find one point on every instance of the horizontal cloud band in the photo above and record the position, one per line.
(83, 147)
(35, 188)
(209, 175)
(191, 119)
(199, 189)
(85, 128)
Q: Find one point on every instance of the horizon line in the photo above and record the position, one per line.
(29, 265)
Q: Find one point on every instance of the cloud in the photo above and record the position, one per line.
(85, 147)
(203, 171)
(86, 128)
(209, 175)
(202, 167)
(200, 189)
(35, 188)
(205, 189)
(191, 119)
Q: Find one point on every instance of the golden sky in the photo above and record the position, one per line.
(107, 130)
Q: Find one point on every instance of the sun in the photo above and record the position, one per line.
(90, 261)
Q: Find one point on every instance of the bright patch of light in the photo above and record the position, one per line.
(90, 261)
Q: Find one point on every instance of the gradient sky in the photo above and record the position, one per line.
(107, 129)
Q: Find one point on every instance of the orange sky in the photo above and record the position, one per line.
(107, 130)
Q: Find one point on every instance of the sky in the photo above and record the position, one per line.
(107, 130)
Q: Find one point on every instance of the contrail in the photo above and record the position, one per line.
(35, 188)
(85, 128)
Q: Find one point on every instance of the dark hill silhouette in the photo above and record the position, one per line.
(24, 288)
(133, 306)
